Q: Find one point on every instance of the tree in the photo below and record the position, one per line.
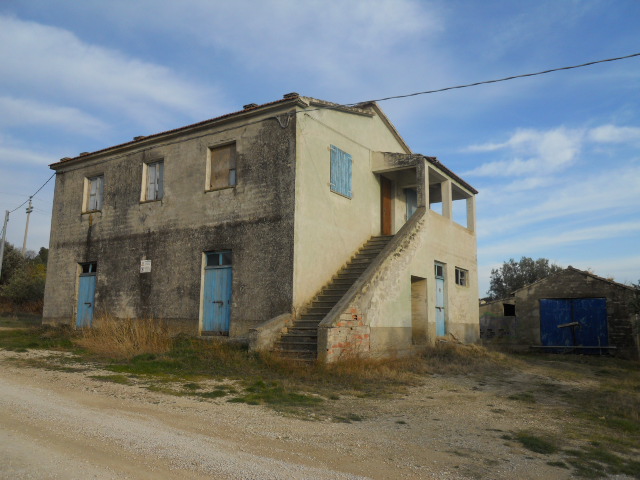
(514, 275)
(12, 262)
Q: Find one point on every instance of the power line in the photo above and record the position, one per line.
(36, 192)
(499, 79)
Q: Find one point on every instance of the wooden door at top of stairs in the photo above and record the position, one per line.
(385, 206)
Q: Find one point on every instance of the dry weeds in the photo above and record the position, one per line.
(125, 338)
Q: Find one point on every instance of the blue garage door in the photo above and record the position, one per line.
(588, 316)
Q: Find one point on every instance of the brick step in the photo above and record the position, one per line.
(362, 260)
(290, 339)
(319, 310)
(328, 298)
(303, 356)
(358, 267)
(297, 346)
(310, 317)
(338, 283)
(310, 332)
(323, 303)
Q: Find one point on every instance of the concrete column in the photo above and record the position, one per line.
(447, 199)
(422, 180)
(471, 213)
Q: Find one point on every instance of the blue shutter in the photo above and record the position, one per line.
(341, 171)
(347, 178)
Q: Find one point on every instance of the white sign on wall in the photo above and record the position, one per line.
(145, 266)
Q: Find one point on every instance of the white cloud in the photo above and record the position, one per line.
(531, 152)
(614, 134)
(12, 155)
(52, 62)
(331, 45)
(613, 190)
(20, 112)
(559, 238)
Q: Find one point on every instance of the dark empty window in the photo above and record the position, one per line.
(89, 267)
(509, 310)
(462, 277)
(218, 259)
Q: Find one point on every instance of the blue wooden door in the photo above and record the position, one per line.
(441, 328)
(86, 300)
(218, 277)
(589, 315)
(554, 312)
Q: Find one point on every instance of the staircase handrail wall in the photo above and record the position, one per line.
(385, 256)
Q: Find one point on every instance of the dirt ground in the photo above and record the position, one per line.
(57, 424)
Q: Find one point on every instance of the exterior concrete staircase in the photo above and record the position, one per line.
(301, 340)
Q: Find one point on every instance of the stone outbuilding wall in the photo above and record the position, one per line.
(516, 321)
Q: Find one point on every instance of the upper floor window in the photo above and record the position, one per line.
(153, 178)
(94, 191)
(222, 167)
(340, 172)
(462, 277)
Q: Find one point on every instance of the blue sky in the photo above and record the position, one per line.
(556, 158)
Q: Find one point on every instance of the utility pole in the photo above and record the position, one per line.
(26, 228)
(4, 237)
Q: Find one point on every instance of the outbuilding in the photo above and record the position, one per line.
(572, 310)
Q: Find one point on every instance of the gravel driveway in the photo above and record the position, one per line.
(66, 425)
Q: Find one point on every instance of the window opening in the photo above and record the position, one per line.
(96, 192)
(89, 267)
(462, 277)
(341, 170)
(155, 181)
(509, 310)
(439, 270)
(219, 259)
(411, 195)
(435, 198)
(223, 167)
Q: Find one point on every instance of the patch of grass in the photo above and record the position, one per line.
(46, 337)
(273, 393)
(191, 386)
(535, 443)
(120, 379)
(218, 392)
(20, 320)
(595, 462)
(401, 422)
(526, 397)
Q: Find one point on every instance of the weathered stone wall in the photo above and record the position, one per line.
(254, 220)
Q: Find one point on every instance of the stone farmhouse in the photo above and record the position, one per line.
(299, 225)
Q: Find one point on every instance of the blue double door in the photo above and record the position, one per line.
(218, 276)
(574, 322)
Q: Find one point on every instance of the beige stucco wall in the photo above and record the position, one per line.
(329, 228)
(453, 246)
(377, 319)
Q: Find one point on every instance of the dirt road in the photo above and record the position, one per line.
(66, 425)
